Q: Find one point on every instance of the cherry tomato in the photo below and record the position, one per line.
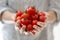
(41, 14)
(42, 18)
(18, 18)
(31, 10)
(35, 17)
(19, 13)
(30, 18)
(24, 21)
(30, 27)
(26, 15)
(30, 21)
(34, 22)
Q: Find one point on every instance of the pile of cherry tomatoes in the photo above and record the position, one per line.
(30, 17)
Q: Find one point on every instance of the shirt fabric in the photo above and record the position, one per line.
(8, 30)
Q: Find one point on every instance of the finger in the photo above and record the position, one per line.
(17, 23)
(36, 28)
(26, 33)
(16, 28)
(23, 27)
(33, 32)
(42, 24)
(22, 30)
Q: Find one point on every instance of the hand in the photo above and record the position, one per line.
(37, 28)
(51, 17)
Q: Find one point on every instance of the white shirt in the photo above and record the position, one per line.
(8, 30)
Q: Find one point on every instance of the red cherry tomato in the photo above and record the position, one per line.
(26, 15)
(18, 18)
(24, 21)
(30, 18)
(41, 14)
(35, 17)
(34, 22)
(30, 21)
(19, 13)
(30, 27)
(31, 10)
(42, 18)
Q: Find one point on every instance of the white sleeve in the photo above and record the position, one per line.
(54, 5)
(4, 6)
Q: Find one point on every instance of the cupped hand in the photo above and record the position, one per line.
(37, 28)
(50, 18)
